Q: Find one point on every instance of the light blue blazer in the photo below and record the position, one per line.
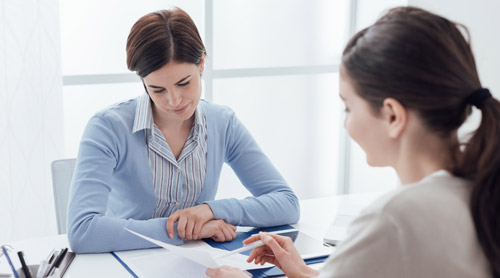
(112, 187)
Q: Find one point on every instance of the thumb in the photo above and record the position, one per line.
(210, 272)
(272, 243)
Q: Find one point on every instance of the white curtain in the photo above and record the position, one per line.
(30, 116)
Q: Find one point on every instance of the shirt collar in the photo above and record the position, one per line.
(144, 116)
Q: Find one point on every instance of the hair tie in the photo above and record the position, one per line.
(478, 96)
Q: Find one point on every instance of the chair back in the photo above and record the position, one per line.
(62, 174)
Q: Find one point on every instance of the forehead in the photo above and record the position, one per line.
(171, 72)
(346, 89)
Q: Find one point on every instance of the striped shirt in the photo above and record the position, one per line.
(177, 182)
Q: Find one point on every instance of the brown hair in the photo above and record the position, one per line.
(160, 37)
(423, 61)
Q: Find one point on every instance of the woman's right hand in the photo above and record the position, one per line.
(218, 230)
(280, 251)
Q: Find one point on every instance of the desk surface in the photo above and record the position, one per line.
(315, 218)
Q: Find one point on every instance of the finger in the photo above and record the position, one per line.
(272, 244)
(189, 228)
(219, 236)
(251, 239)
(170, 224)
(232, 231)
(210, 272)
(254, 254)
(227, 233)
(181, 227)
(272, 260)
(284, 241)
(197, 229)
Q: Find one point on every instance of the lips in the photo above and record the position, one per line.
(181, 110)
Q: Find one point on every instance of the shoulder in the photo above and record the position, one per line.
(215, 112)
(217, 116)
(436, 194)
(121, 114)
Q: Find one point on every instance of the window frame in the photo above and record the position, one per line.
(210, 74)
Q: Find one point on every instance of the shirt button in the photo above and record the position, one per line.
(176, 203)
(178, 170)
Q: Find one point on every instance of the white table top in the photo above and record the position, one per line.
(316, 216)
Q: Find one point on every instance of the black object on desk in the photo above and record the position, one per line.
(62, 260)
(25, 268)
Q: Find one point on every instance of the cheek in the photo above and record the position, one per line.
(194, 90)
(352, 126)
(364, 133)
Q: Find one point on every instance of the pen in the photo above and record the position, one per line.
(57, 262)
(10, 262)
(25, 268)
(252, 245)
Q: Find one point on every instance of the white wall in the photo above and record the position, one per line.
(30, 116)
(482, 20)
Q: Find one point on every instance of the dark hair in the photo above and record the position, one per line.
(423, 61)
(160, 37)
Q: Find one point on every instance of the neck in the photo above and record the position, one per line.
(422, 155)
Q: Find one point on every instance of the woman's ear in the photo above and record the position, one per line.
(396, 117)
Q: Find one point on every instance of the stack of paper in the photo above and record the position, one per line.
(189, 260)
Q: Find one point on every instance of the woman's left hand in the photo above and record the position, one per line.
(190, 221)
(226, 272)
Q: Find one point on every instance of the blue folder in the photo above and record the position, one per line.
(238, 242)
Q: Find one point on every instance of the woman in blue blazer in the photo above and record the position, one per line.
(152, 164)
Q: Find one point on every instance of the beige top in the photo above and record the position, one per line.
(419, 230)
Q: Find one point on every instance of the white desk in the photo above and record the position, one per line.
(315, 218)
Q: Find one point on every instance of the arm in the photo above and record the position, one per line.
(89, 228)
(256, 172)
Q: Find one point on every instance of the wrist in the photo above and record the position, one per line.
(309, 272)
(210, 211)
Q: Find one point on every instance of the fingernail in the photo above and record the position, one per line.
(171, 235)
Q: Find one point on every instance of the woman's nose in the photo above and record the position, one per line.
(174, 98)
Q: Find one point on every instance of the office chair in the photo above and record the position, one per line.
(62, 173)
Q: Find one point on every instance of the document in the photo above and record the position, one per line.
(189, 260)
(159, 262)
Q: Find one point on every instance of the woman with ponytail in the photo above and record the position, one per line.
(408, 83)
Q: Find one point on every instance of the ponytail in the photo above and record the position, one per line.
(481, 164)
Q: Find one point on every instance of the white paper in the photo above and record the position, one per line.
(205, 255)
(159, 262)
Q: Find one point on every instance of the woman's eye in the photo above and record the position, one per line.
(159, 91)
(183, 84)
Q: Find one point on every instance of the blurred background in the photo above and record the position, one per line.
(274, 62)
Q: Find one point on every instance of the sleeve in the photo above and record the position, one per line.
(373, 248)
(90, 230)
(273, 202)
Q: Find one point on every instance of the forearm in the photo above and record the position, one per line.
(97, 234)
(272, 209)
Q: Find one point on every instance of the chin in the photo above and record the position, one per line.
(373, 163)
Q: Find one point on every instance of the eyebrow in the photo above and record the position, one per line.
(178, 82)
